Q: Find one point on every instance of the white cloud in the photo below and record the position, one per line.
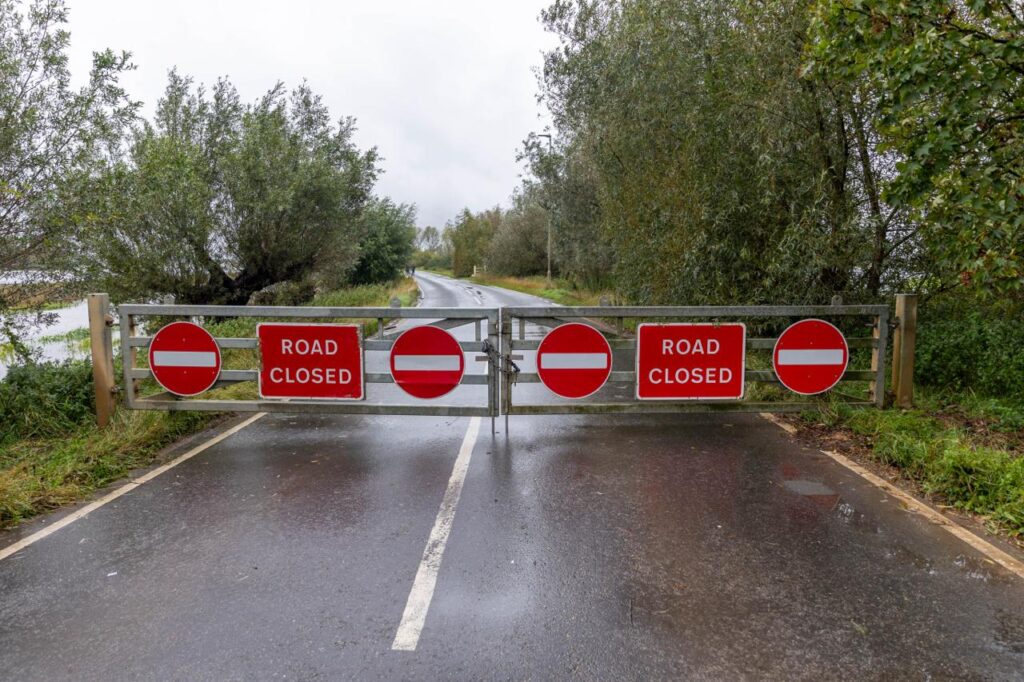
(444, 89)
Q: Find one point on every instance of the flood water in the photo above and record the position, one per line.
(68, 319)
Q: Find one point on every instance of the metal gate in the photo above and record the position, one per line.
(485, 343)
(514, 323)
(500, 338)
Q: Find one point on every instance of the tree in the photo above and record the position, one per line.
(703, 166)
(429, 239)
(519, 244)
(949, 82)
(469, 236)
(387, 247)
(565, 185)
(215, 200)
(48, 132)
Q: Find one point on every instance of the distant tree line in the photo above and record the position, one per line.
(510, 241)
(756, 152)
(213, 200)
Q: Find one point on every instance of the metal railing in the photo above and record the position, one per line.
(514, 321)
(485, 343)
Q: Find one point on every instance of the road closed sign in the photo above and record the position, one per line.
(690, 361)
(315, 361)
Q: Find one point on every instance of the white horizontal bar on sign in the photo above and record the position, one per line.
(426, 363)
(574, 361)
(184, 358)
(811, 356)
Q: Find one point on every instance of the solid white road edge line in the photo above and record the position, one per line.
(408, 635)
(127, 487)
(988, 549)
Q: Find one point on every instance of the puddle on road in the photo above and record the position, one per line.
(809, 488)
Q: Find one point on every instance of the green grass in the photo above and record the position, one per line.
(75, 335)
(965, 449)
(559, 291)
(40, 474)
(52, 453)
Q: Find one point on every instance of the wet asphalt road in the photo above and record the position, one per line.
(625, 547)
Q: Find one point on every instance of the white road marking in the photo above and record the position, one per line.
(184, 358)
(809, 356)
(408, 635)
(574, 361)
(426, 363)
(986, 548)
(127, 487)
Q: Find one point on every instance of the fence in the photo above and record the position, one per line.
(499, 341)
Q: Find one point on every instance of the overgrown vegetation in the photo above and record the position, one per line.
(560, 291)
(971, 349)
(968, 451)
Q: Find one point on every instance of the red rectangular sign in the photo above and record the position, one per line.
(321, 361)
(690, 361)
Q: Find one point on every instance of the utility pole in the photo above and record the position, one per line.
(548, 135)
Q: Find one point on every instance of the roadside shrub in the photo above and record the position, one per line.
(45, 399)
(971, 350)
(981, 480)
(283, 293)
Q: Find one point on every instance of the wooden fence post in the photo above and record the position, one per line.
(903, 350)
(101, 341)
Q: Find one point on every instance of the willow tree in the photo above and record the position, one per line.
(49, 131)
(722, 173)
(216, 200)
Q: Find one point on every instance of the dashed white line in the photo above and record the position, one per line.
(408, 635)
(127, 487)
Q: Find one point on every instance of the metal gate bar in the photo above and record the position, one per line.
(448, 318)
(556, 316)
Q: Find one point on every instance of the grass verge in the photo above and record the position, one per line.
(52, 453)
(966, 451)
(559, 291)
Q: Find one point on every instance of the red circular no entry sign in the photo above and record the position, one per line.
(184, 358)
(810, 357)
(427, 362)
(574, 360)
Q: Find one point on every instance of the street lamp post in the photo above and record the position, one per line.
(548, 135)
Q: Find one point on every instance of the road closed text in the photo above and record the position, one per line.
(690, 361)
(316, 361)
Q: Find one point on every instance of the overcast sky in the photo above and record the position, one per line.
(443, 88)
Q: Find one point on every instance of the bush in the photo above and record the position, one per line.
(39, 400)
(283, 293)
(519, 247)
(944, 459)
(971, 350)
